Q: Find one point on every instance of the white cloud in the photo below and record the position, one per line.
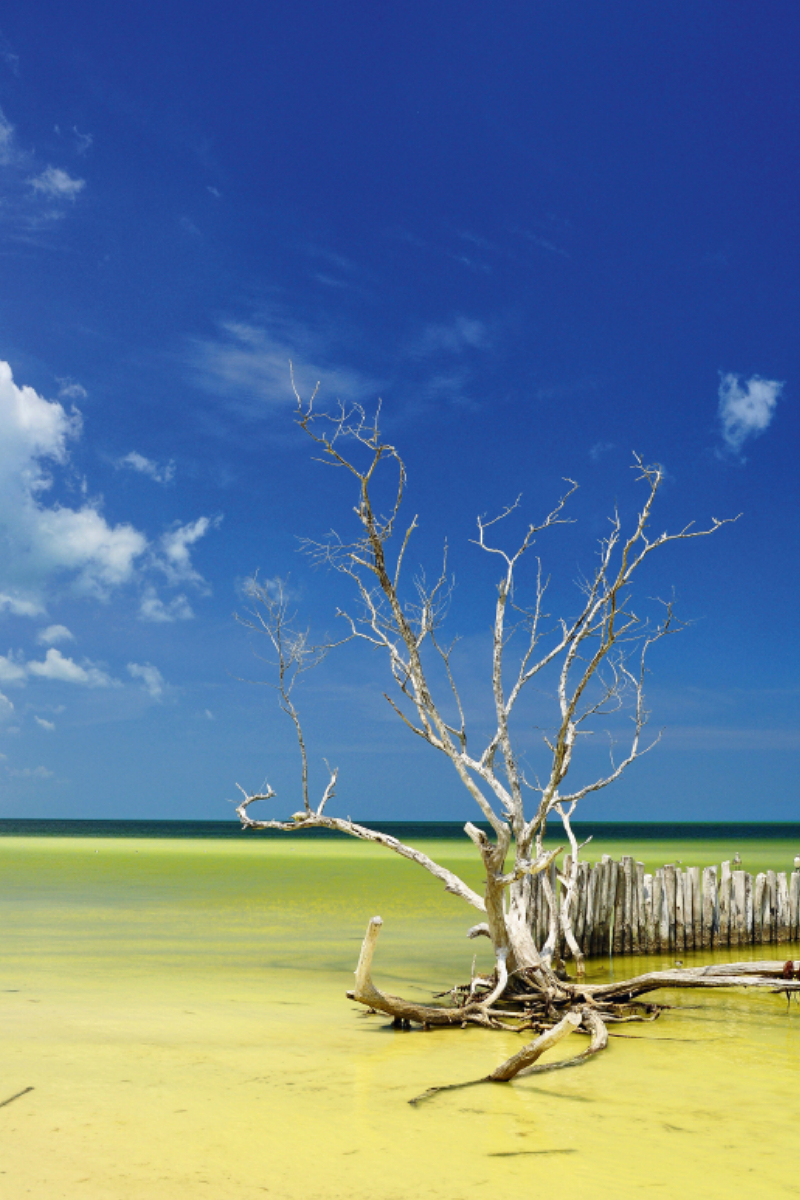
(597, 451)
(147, 466)
(55, 183)
(42, 544)
(153, 608)
(251, 363)
(6, 710)
(48, 725)
(65, 670)
(53, 634)
(37, 541)
(70, 390)
(20, 607)
(152, 679)
(746, 409)
(10, 670)
(210, 715)
(177, 563)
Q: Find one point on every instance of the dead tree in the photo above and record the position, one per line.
(598, 657)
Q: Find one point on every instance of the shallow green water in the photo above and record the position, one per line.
(179, 1010)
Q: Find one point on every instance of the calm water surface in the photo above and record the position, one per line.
(179, 1009)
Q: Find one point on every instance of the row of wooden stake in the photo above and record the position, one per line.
(619, 908)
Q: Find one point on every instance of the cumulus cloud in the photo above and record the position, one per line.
(6, 709)
(746, 408)
(65, 670)
(153, 608)
(48, 725)
(53, 634)
(152, 679)
(57, 184)
(39, 541)
(147, 466)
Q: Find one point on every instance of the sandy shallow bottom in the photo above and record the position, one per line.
(179, 1011)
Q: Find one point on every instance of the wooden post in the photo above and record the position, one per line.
(609, 892)
(619, 909)
(680, 905)
(649, 924)
(671, 891)
(740, 915)
(591, 905)
(697, 907)
(709, 898)
(794, 904)
(639, 934)
(628, 902)
(688, 909)
(758, 908)
(725, 905)
(660, 912)
(748, 908)
(783, 907)
(580, 910)
(772, 893)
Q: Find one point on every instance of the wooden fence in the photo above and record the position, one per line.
(618, 908)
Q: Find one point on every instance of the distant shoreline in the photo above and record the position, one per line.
(405, 830)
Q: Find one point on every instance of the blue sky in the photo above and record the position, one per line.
(546, 234)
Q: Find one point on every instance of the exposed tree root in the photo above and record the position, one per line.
(518, 1001)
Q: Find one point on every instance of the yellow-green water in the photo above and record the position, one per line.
(179, 1010)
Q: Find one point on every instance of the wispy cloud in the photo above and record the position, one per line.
(153, 681)
(8, 56)
(597, 451)
(55, 182)
(147, 466)
(746, 408)
(70, 390)
(7, 143)
(249, 363)
(53, 634)
(545, 244)
(44, 724)
(454, 337)
(30, 772)
(36, 196)
(83, 141)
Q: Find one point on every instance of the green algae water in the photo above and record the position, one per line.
(178, 1008)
